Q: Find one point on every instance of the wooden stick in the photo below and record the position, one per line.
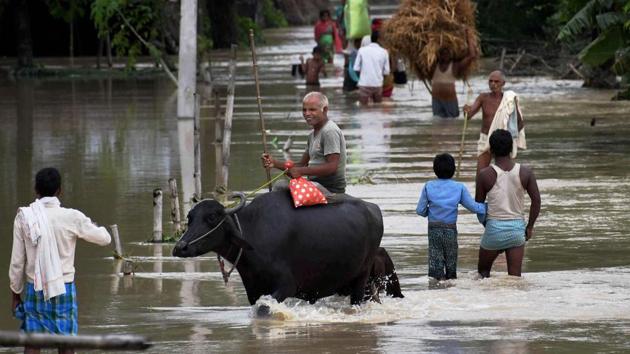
(227, 124)
(576, 71)
(157, 215)
(175, 216)
(103, 342)
(461, 145)
(218, 139)
(517, 60)
(118, 246)
(260, 114)
(502, 58)
(197, 148)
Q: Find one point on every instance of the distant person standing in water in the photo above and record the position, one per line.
(503, 186)
(327, 36)
(41, 273)
(500, 110)
(313, 68)
(443, 96)
(372, 63)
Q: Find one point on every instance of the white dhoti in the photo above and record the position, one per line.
(506, 117)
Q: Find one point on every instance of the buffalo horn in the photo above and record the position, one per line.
(241, 202)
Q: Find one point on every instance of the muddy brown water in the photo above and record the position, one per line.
(117, 140)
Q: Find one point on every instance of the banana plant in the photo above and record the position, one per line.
(608, 23)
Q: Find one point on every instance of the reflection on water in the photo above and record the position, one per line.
(115, 141)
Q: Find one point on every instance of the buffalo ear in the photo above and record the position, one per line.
(241, 243)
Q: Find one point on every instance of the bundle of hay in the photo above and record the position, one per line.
(421, 27)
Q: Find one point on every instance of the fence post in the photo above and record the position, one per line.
(157, 215)
(227, 126)
(175, 216)
(118, 246)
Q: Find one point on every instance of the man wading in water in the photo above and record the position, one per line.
(499, 111)
(503, 184)
(443, 96)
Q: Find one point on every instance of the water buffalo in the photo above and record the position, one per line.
(307, 253)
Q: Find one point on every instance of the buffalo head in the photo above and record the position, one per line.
(210, 225)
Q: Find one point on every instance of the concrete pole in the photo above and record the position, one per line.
(187, 69)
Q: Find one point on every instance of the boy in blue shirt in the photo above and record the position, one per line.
(439, 200)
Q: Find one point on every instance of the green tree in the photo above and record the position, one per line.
(134, 26)
(69, 11)
(603, 29)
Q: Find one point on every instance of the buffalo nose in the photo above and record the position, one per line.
(180, 249)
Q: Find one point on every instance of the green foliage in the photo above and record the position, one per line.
(244, 24)
(606, 25)
(204, 39)
(514, 20)
(67, 10)
(109, 17)
(603, 48)
(274, 18)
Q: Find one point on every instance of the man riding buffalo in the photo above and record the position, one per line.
(324, 160)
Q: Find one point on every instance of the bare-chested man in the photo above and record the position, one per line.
(312, 68)
(488, 103)
(443, 96)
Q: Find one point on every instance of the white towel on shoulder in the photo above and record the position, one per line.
(506, 118)
(48, 271)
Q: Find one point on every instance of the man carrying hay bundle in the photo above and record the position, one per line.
(438, 38)
(443, 96)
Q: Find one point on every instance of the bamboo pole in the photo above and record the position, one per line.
(157, 215)
(117, 245)
(197, 149)
(502, 58)
(260, 114)
(175, 215)
(218, 139)
(102, 342)
(227, 126)
(461, 145)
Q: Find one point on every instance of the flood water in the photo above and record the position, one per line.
(117, 140)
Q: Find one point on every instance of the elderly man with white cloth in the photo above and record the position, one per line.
(500, 110)
(42, 260)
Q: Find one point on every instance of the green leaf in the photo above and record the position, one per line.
(603, 48)
(608, 19)
(582, 20)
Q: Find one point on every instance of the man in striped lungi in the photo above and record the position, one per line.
(42, 260)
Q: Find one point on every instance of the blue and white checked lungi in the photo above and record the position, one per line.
(503, 234)
(57, 315)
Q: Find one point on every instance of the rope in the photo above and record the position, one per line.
(253, 193)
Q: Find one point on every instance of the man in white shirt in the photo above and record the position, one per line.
(42, 270)
(372, 63)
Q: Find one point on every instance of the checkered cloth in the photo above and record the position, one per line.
(503, 234)
(57, 315)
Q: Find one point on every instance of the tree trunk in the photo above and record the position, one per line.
(23, 31)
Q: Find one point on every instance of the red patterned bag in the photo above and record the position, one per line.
(305, 193)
